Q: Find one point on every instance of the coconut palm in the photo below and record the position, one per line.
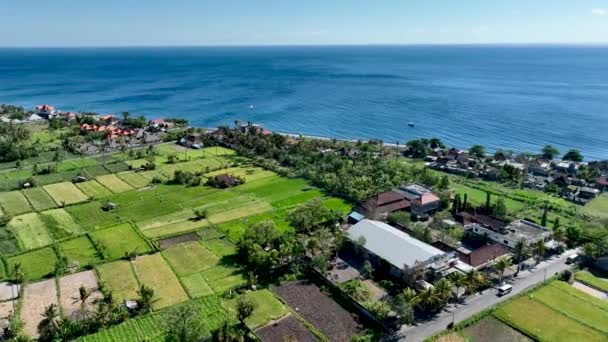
(48, 328)
(520, 253)
(430, 299)
(472, 280)
(501, 265)
(459, 280)
(539, 250)
(443, 288)
(83, 297)
(146, 298)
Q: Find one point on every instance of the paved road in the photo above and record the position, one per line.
(480, 302)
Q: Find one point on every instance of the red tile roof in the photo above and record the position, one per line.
(107, 117)
(483, 255)
(45, 107)
(427, 198)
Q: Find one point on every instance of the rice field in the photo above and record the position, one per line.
(196, 286)
(267, 308)
(189, 258)
(118, 276)
(133, 179)
(60, 223)
(14, 203)
(35, 264)
(65, 193)
(113, 183)
(121, 239)
(153, 271)
(30, 231)
(93, 189)
(80, 250)
(91, 216)
(39, 199)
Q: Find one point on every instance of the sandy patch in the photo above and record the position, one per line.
(6, 308)
(36, 297)
(8, 291)
(69, 293)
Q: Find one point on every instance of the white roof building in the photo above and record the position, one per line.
(396, 247)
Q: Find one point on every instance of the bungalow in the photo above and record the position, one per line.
(512, 233)
(540, 167)
(483, 257)
(384, 245)
(386, 202)
(193, 140)
(46, 111)
(567, 167)
(588, 193)
(423, 201)
(562, 181)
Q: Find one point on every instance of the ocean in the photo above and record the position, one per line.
(518, 98)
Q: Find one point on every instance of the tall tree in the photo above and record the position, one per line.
(543, 219)
(549, 152)
(459, 281)
(463, 207)
(146, 298)
(83, 297)
(183, 324)
(244, 308)
(573, 155)
(539, 250)
(443, 287)
(556, 224)
(500, 208)
(520, 253)
(48, 328)
(488, 201)
(501, 265)
(477, 151)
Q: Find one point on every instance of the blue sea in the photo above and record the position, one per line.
(511, 97)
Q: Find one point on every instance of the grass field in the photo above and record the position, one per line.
(267, 308)
(14, 203)
(598, 207)
(557, 312)
(133, 179)
(93, 189)
(189, 258)
(39, 199)
(595, 281)
(196, 286)
(478, 197)
(91, 216)
(222, 278)
(153, 271)
(118, 276)
(65, 192)
(80, 250)
(60, 224)
(35, 264)
(115, 184)
(210, 314)
(30, 230)
(120, 240)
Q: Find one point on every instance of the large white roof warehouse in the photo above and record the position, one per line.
(392, 245)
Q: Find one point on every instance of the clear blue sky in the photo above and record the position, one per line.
(263, 22)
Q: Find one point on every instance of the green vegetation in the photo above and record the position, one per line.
(153, 271)
(189, 258)
(93, 189)
(35, 264)
(133, 179)
(196, 286)
(39, 199)
(30, 231)
(65, 193)
(118, 276)
(266, 308)
(91, 216)
(80, 250)
(60, 224)
(597, 207)
(595, 281)
(114, 183)
(120, 240)
(14, 203)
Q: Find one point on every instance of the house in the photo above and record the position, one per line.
(193, 140)
(602, 183)
(46, 111)
(588, 193)
(225, 181)
(404, 255)
(512, 233)
(423, 201)
(483, 257)
(251, 128)
(35, 118)
(109, 119)
(561, 180)
(152, 138)
(386, 202)
(466, 218)
(567, 167)
(540, 167)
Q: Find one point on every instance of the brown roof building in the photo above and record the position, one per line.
(386, 202)
(484, 256)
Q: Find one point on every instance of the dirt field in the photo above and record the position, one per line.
(36, 297)
(287, 329)
(326, 315)
(6, 308)
(491, 329)
(166, 243)
(8, 291)
(69, 293)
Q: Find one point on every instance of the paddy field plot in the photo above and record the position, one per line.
(93, 189)
(115, 184)
(267, 308)
(196, 286)
(222, 278)
(60, 223)
(69, 286)
(35, 264)
(221, 247)
(8, 243)
(14, 203)
(65, 192)
(189, 258)
(80, 250)
(118, 276)
(121, 239)
(30, 230)
(36, 297)
(39, 199)
(597, 282)
(133, 179)
(91, 216)
(153, 271)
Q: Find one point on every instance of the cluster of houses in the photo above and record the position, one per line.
(417, 262)
(561, 177)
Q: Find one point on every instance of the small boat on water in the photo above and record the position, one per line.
(251, 107)
(411, 124)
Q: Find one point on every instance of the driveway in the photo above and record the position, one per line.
(480, 302)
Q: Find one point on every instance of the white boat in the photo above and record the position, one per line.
(411, 124)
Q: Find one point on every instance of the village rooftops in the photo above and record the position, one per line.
(526, 229)
(393, 245)
(484, 255)
(385, 202)
(45, 108)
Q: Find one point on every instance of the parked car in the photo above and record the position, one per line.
(504, 289)
(572, 258)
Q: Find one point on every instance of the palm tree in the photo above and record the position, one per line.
(520, 253)
(459, 280)
(430, 299)
(539, 250)
(410, 296)
(472, 280)
(146, 298)
(49, 326)
(83, 297)
(443, 288)
(501, 265)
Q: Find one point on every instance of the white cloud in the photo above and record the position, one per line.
(599, 11)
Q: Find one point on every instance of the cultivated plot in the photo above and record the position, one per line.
(153, 271)
(39, 199)
(65, 193)
(74, 307)
(115, 184)
(189, 258)
(30, 230)
(35, 264)
(118, 276)
(91, 216)
(196, 286)
(283, 330)
(80, 251)
(36, 297)
(267, 308)
(14, 203)
(93, 189)
(60, 224)
(121, 239)
(133, 179)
